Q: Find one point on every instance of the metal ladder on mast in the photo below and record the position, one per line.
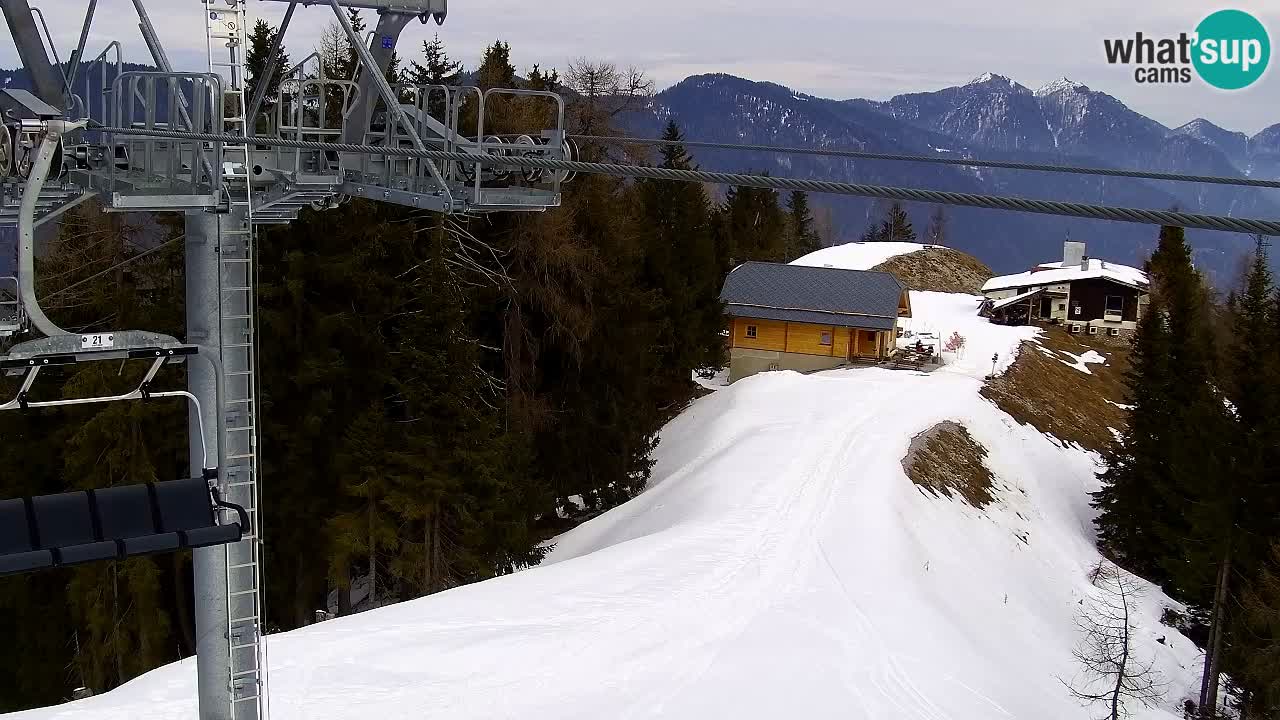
(226, 32)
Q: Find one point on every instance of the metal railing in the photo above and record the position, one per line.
(305, 111)
(165, 166)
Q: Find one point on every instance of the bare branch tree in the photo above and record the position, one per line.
(1111, 671)
(601, 92)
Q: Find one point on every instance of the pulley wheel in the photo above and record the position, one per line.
(6, 151)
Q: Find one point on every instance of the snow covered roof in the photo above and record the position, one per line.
(1000, 304)
(798, 293)
(1054, 273)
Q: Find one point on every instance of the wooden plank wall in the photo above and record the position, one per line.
(801, 338)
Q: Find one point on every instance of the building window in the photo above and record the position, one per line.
(751, 331)
(1075, 307)
(1115, 305)
(825, 339)
(1062, 307)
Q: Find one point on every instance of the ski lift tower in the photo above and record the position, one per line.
(138, 141)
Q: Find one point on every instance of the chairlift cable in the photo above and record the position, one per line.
(994, 202)
(970, 162)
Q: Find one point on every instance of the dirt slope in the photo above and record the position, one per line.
(940, 269)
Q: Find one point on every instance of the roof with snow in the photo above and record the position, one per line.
(818, 295)
(1001, 304)
(1054, 273)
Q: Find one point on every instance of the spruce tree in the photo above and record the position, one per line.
(801, 237)
(437, 69)
(1170, 501)
(896, 226)
(754, 225)
(682, 263)
(256, 63)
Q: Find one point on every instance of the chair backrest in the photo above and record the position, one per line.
(65, 519)
(15, 530)
(126, 511)
(183, 505)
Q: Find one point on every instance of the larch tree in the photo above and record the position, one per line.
(936, 232)
(1111, 671)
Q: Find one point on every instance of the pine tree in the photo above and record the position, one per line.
(496, 70)
(1168, 509)
(1259, 655)
(753, 224)
(873, 233)
(683, 264)
(439, 69)
(256, 63)
(1247, 512)
(801, 238)
(896, 226)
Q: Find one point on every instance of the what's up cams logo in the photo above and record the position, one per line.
(1229, 50)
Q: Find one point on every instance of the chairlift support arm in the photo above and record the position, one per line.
(26, 38)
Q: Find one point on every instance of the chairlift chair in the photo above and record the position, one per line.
(113, 523)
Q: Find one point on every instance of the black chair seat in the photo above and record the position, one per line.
(150, 544)
(88, 552)
(25, 561)
(216, 535)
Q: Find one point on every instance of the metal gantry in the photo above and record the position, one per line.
(58, 149)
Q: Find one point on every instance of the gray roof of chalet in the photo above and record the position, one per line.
(818, 295)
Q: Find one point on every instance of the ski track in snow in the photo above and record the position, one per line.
(780, 564)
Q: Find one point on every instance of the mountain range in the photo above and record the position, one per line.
(991, 117)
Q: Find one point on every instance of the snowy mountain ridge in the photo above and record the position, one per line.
(994, 117)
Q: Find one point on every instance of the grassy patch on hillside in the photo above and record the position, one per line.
(1044, 390)
(946, 460)
(939, 269)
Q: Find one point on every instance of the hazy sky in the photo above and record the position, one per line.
(839, 49)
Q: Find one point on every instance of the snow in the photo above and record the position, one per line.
(1081, 362)
(857, 255)
(1061, 85)
(1054, 273)
(718, 381)
(945, 313)
(780, 564)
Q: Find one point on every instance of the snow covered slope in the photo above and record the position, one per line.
(857, 255)
(780, 565)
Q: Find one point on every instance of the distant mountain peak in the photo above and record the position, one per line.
(994, 80)
(1199, 123)
(1063, 84)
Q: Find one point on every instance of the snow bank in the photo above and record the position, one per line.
(857, 255)
(779, 565)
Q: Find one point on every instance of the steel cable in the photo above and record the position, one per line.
(994, 202)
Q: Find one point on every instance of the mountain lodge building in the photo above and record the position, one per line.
(793, 317)
(1084, 294)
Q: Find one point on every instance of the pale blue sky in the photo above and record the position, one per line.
(840, 49)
